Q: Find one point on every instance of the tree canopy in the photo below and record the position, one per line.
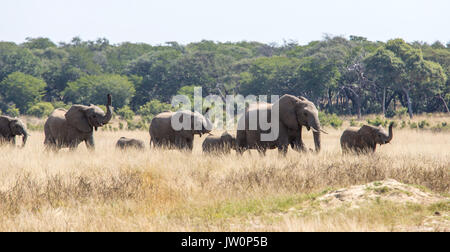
(340, 75)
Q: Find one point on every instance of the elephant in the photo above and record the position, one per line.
(67, 129)
(10, 128)
(162, 134)
(294, 113)
(125, 143)
(219, 144)
(364, 139)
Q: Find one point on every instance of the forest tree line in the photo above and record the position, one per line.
(340, 75)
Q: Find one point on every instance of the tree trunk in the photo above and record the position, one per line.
(384, 101)
(408, 100)
(445, 104)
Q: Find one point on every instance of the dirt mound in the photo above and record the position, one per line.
(389, 189)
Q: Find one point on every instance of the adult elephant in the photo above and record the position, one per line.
(10, 128)
(294, 113)
(365, 139)
(163, 133)
(67, 129)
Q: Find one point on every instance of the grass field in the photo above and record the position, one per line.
(165, 190)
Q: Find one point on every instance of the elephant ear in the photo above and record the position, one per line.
(5, 130)
(76, 117)
(367, 134)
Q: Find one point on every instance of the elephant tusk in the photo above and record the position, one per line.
(323, 131)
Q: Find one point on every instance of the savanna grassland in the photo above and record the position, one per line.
(166, 190)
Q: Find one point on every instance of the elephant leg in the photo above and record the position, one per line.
(261, 150)
(282, 149)
(90, 144)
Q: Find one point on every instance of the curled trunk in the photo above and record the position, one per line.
(109, 109)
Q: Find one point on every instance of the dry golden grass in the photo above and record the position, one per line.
(166, 190)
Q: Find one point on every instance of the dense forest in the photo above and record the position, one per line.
(342, 76)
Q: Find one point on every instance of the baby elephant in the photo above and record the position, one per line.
(219, 144)
(364, 139)
(125, 143)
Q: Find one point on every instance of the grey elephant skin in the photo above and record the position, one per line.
(219, 144)
(130, 143)
(294, 113)
(67, 129)
(162, 134)
(10, 128)
(365, 139)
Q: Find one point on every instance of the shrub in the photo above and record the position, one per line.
(413, 125)
(153, 108)
(353, 123)
(41, 109)
(377, 122)
(60, 104)
(126, 113)
(35, 127)
(401, 112)
(330, 119)
(13, 111)
(390, 114)
(403, 125)
(422, 124)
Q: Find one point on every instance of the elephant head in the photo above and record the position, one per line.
(11, 127)
(296, 112)
(375, 135)
(200, 123)
(85, 118)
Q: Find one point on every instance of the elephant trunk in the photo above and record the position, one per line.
(24, 137)
(109, 109)
(207, 125)
(390, 133)
(315, 125)
(316, 135)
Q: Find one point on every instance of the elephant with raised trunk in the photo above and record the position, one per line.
(127, 143)
(67, 129)
(10, 128)
(294, 113)
(162, 134)
(219, 144)
(365, 139)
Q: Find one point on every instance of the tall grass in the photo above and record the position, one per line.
(167, 190)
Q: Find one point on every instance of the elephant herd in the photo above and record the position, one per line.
(67, 129)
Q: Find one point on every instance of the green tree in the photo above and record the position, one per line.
(23, 90)
(92, 89)
(41, 109)
(17, 59)
(38, 43)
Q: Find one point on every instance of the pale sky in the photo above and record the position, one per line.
(156, 22)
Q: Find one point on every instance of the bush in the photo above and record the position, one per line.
(403, 125)
(377, 122)
(41, 109)
(401, 112)
(330, 119)
(13, 111)
(126, 113)
(60, 104)
(35, 127)
(390, 114)
(413, 125)
(141, 125)
(353, 123)
(152, 108)
(422, 124)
